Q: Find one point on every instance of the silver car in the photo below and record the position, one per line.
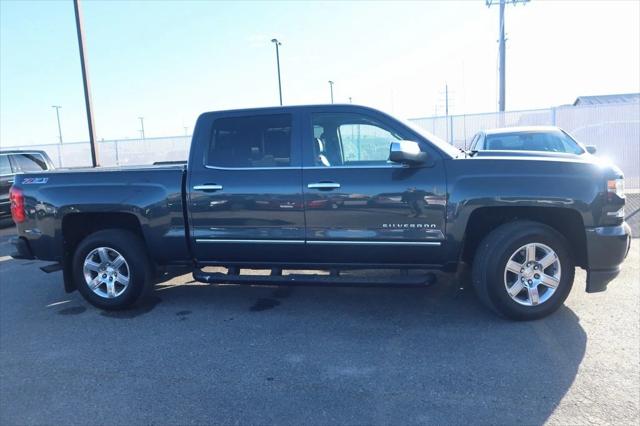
(534, 138)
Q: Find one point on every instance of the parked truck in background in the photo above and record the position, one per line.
(14, 162)
(330, 187)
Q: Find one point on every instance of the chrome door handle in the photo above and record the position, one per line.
(208, 187)
(324, 185)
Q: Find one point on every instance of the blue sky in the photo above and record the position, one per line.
(168, 61)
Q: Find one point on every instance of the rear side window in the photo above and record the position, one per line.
(30, 162)
(5, 166)
(251, 141)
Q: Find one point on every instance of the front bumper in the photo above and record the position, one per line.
(607, 247)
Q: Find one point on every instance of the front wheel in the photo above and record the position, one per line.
(523, 270)
(111, 269)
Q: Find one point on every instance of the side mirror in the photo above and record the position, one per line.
(591, 149)
(406, 152)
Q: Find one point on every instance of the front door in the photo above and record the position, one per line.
(245, 193)
(359, 206)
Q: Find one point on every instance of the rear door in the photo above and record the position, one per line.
(359, 206)
(245, 190)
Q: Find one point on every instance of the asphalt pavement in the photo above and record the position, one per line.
(204, 354)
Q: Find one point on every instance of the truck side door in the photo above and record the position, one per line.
(361, 208)
(245, 189)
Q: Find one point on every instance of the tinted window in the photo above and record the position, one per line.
(5, 166)
(29, 162)
(350, 139)
(255, 141)
(552, 141)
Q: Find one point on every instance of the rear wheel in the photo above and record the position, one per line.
(523, 270)
(111, 269)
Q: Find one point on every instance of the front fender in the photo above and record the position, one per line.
(475, 184)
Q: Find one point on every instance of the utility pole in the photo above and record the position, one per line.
(350, 101)
(446, 99)
(85, 82)
(277, 43)
(502, 51)
(503, 61)
(141, 126)
(57, 108)
(331, 88)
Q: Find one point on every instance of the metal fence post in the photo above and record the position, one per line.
(451, 127)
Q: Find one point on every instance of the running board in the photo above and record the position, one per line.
(313, 280)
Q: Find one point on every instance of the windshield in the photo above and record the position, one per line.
(443, 145)
(551, 141)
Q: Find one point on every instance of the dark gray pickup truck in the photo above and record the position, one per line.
(334, 188)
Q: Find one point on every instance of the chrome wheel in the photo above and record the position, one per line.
(532, 274)
(106, 272)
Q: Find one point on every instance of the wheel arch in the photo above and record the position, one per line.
(567, 222)
(77, 226)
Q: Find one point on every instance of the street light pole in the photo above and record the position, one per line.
(277, 43)
(141, 126)
(85, 82)
(331, 88)
(57, 108)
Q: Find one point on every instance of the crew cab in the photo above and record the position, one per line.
(332, 188)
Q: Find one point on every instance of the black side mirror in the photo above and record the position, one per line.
(406, 152)
(591, 149)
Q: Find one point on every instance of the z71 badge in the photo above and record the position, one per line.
(35, 181)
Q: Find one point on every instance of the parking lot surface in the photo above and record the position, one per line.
(268, 355)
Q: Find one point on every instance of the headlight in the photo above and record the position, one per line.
(616, 186)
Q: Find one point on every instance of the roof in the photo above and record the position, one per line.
(607, 99)
(522, 129)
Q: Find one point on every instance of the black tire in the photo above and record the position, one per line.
(131, 247)
(492, 255)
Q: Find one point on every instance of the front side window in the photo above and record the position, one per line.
(5, 166)
(251, 141)
(350, 140)
(30, 162)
